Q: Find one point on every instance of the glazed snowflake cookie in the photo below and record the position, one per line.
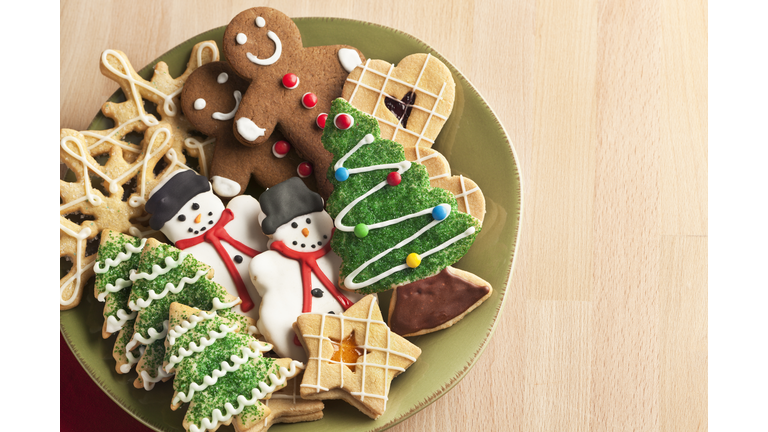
(291, 86)
(299, 273)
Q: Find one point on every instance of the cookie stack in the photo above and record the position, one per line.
(259, 309)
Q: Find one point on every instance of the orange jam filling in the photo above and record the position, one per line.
(346, 352)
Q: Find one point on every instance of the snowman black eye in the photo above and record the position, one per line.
(182, 218)
(309, 221)
(195, 206)
(294, 225)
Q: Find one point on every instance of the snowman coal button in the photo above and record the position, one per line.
(317, 292)
(238, 259)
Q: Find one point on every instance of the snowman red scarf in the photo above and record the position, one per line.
(308, 262)
(214, 236)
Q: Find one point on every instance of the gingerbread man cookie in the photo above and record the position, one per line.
(291, 86)
(210, 100)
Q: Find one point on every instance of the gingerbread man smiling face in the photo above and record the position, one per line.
(291, 86)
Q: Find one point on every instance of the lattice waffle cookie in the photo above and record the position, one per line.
(114, 176)
(353, 356)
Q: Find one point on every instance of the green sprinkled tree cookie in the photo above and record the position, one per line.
(220, 370)
(118, 254)
(164, 275)
(392, 228)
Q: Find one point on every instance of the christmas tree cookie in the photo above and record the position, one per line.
(392, 228)
(164, 275)
(220, 370)
(118, 254)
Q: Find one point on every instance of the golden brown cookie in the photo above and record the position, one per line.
(412, 100)
(353, 356)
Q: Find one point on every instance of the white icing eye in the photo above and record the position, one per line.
(199, 104)
(260, 22)
(241, 38)
(223, 77)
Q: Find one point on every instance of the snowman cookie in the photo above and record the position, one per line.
(184, 208)
(291, 86)
(299, 273)
(210, 99)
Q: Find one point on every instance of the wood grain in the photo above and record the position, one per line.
(605, 327)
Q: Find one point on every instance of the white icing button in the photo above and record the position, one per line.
(248, 129)
(222, 78)
(241, 38)
(349, 59)
(199, 104)
(260, 22)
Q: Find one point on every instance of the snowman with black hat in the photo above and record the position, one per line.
(184, 208)
(299, 273)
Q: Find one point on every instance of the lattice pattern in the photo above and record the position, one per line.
(385, 355)
(436, 108)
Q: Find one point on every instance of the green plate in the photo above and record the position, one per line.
(475, 143)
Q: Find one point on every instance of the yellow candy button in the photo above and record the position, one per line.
(413, 260)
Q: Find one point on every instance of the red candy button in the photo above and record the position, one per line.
(393, 178)
(321, 120)
(290, 81)
(281, 148)
(309, 100)
(343, 121)
(304, 169)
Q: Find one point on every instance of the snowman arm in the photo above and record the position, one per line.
(245, 205)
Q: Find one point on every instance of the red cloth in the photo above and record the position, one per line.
(84, 407)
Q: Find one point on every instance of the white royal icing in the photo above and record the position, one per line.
(349, 59)
(199, 104)
(225, 187)
(227, 116)
(213, 336)
(248, 129)
(241, 38)
(260, 22)
(222, 78)
(271, 59)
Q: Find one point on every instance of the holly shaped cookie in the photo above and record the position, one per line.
(291, 86)
(210, 101)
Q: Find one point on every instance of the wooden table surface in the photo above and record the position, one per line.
(605, 327)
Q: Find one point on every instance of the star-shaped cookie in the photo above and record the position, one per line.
(353, 356)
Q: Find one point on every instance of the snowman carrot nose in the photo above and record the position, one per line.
(305, 232)
(197, 219)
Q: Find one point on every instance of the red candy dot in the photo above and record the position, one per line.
(290, 81)
(309, 100)
(304, 169)
(281, 148)
(343, 121)
(393, 178)
(321, 120)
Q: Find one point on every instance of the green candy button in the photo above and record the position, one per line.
(361, 230)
